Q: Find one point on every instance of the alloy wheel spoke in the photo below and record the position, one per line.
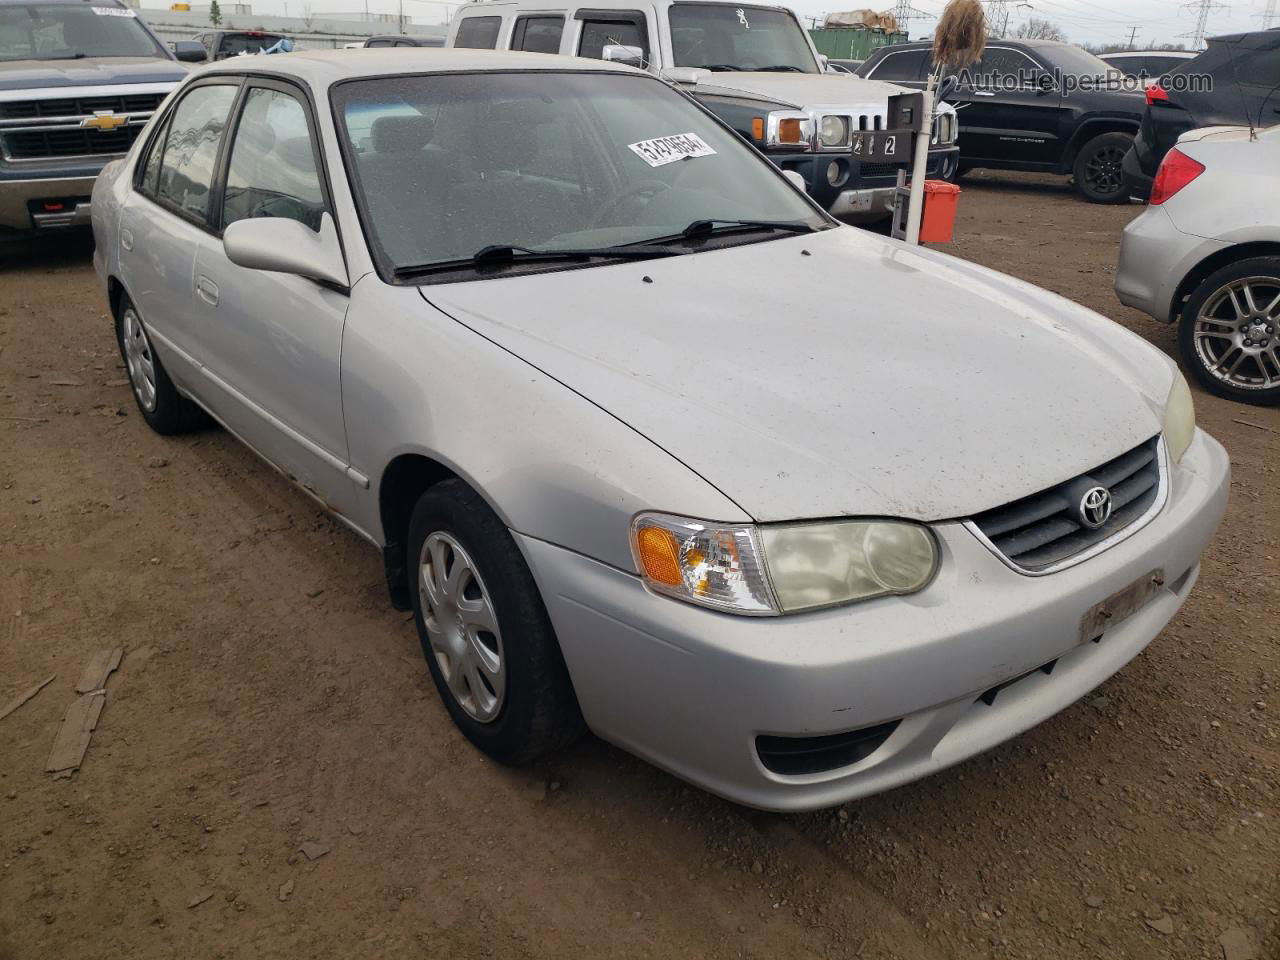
(1247, 290)
(1236, 305)
(478, 614)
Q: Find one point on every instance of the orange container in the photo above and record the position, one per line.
(939, 220)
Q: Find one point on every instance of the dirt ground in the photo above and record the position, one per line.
(269, 697)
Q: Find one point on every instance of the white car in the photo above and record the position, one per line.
(647, 439)
(1205, 255)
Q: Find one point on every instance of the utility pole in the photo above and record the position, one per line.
(1269, 15)
(903, 12)
(1134, 30)
(1203, 9)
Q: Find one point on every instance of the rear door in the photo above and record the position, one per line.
(272, 341)
(166, 217)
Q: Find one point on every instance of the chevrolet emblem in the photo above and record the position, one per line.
(105, 120)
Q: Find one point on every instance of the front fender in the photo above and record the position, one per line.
(553, 465)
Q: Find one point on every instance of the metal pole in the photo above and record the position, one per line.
(915, 210)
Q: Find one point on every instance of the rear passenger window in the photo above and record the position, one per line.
(597, 34)
(900, 66)
(480, 33)
(273, 172)
(537, 34)
(191, 149)
(151, 169)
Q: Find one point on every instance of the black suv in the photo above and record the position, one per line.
(1033, 105)
(1235, 81)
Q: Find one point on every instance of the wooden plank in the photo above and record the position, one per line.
(99, 667)
(72, 741)
(25, 696)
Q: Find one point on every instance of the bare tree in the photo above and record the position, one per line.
(1036, 28)
(307, 15)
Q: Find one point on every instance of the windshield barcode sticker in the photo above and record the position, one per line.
(663, 150)
(113, 12)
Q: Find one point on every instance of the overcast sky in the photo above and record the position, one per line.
(1085, 21)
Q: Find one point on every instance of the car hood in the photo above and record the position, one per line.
(799, 90)
(836, 374)
(89, 72)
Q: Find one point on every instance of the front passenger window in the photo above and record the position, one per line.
(273, 168)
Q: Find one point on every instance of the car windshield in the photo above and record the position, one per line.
(55, 31)
(446, 165)
(719, 36)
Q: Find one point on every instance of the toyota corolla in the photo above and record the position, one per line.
(649, 443)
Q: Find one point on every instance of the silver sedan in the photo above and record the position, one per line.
(648, 442)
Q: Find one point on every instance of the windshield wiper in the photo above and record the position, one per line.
(719, 66)
(704, 228)
(502, 254)
(781, 68)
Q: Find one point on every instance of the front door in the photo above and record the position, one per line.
(1009, 109)
(273, 341)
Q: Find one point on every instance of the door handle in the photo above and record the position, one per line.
(126, 238)
(207, 291)
(983, 93)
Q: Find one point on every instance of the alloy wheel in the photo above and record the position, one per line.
(1237, 333)
(138, 359)
(462, 627)
(1103, 172)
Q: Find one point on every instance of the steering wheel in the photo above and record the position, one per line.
(649, 188)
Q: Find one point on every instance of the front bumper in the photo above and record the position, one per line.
(690, 690)
(16, 196)
(864, 191)
(1155, 257)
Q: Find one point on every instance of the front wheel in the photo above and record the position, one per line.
(1229, 336)
(1098, 168)
(488, 641)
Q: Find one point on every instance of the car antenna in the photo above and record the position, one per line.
(1253, 131)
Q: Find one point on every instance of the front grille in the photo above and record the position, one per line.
(71, 142)
(80, 106)
(795, 756)
(1044, 530)
(890, 170)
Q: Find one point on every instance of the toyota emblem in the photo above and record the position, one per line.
(1095, 507)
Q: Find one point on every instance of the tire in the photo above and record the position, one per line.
(494, 657)
(166, 411)
(1217, 322)
(1098, 171)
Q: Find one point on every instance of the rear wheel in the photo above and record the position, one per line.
(1098, 168)
(1229, 336)
(485, 633)
(166, 411)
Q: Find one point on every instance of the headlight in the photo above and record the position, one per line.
(834, 131)
(780, 568)
(1179, 417)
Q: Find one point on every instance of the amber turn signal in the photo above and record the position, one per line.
(789, 130)
(659, 555)
(757, 128)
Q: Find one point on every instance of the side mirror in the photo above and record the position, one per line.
(287, 246)
(622, 53)
(948, 86)
(824, 63)
(795, 180)
(190, 51)
(686, 76)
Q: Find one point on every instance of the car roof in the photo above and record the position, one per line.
(1182, 54)
(320, 68)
